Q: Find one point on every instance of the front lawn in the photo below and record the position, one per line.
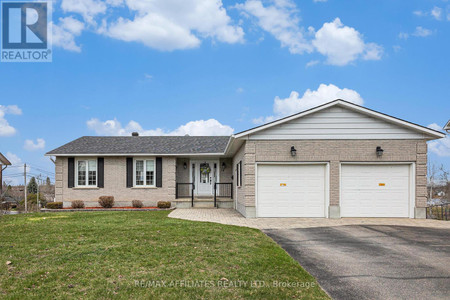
(142, 255)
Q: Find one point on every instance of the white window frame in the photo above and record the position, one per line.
(145, 159)
(239, 173)
(86, 185)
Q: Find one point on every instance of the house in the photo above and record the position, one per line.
(335, 160)
(447, 126)
(4, 163)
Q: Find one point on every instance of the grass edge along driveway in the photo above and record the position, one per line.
(141, 255)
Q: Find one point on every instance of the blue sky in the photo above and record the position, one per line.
(212, 67)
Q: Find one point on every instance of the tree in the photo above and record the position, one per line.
(48, 182)
(32, 186)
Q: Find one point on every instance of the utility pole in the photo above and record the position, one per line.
(37, 196)
(25, 185)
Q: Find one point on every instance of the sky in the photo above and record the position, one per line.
(211, 67)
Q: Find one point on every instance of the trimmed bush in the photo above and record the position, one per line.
(164, 204)
(77, 204)
(106, 201)
(137, 203)
(55, 205)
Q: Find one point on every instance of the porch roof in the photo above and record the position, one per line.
(142, 145)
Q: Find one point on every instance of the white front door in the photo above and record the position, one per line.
(205, 174)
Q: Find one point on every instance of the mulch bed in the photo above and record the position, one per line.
(122, 208)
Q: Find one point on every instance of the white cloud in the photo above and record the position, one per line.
(294, 103)
(11, 109)
(312, 63)
(281, 20)
(200, 127)
(5, 128)
(403, 35)
(89, 9)
(30, 145)
(13, 158)
(170, 24)
(436, 12)
(240, 90)
(422, 32)
(419, 13)
(435, 126)
(64, 33)
(439, 147)
(342, 44)
(320, 1)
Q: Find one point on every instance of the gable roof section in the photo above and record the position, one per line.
(143, 145)
(447, 126)
(4, 161)
(433, 134)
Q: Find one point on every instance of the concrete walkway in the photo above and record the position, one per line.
(232, 217)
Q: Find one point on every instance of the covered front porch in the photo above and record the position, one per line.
(204, 182)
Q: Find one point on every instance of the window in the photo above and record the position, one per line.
(144, 172)
(239, 174)
(87, 172)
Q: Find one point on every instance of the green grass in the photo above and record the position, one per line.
(103, 254)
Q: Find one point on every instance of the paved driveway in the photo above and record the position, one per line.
(232, 217)
(373, 261)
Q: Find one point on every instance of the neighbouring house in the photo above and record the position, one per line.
(335, 160)
(4, 163)
(447, 126)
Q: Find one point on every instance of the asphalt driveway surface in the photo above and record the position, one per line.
(373, 261)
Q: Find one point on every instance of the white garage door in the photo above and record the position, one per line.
(291, 191)
(375, 191)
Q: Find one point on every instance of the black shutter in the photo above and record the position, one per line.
(129, 172)
(100, 172)
(71, 172)
(159, 172)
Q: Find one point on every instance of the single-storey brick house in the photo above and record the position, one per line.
(335, 160)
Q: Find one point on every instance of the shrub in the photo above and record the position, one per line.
(55, 205)
(77, 204)
(164, 204)
(137, 203)
(106, 201)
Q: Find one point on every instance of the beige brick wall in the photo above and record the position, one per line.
(335, 152)
(115, 184)
(239, 192)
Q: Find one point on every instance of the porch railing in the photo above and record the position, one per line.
(222, 189)
(439, 212)
(185, 190)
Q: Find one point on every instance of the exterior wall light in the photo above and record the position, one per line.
(293, 151)
(379, 151)
(224, 166)
(185, 165)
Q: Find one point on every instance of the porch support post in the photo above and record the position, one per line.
(215, 194)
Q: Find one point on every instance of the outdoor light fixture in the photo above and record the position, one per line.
(223, 166)
(293, 151)
(185, 165)
(379, 151)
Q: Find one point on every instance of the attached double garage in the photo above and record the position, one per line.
(364, 189)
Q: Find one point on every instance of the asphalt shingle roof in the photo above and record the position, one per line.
(144, 145)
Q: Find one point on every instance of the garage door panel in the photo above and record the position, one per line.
(291, 190)
(375, 191)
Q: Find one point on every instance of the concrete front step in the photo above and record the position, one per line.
(203, 203)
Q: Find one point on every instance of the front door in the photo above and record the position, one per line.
(205, 175)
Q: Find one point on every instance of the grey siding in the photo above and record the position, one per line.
(336, 123)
